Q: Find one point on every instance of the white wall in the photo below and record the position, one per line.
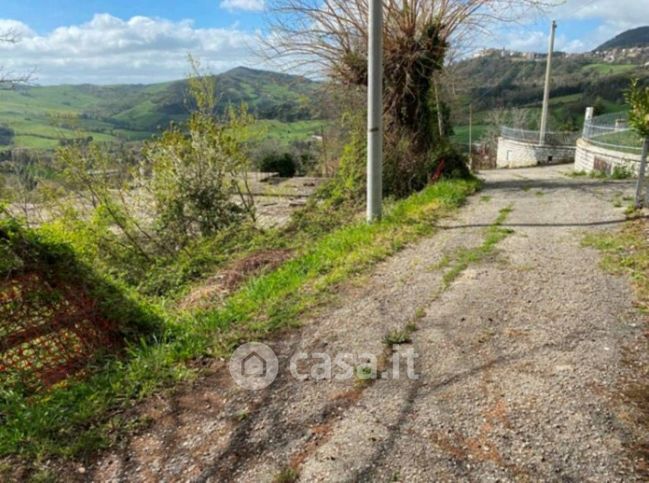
(589, 157)
(516, 154)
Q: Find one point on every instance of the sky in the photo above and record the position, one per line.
(147, 41)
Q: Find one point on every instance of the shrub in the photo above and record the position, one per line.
(199, 173)
(283, 164)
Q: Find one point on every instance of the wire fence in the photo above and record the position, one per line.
(612, 131)
(552, 138)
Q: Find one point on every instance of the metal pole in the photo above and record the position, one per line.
(375, 112)
(471, 136)
(546, 92)
(643, 165)
(588, 122)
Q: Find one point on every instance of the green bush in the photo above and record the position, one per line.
(456, 165)
(283, 164)
(621, 172)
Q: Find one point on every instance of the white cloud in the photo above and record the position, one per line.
(249, 5)
(111, 50)
(611, 17)
(624, 14)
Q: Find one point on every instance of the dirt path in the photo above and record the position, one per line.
(518, 363)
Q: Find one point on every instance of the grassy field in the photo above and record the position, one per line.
(604, 69)
(286, 133)
(461, 135)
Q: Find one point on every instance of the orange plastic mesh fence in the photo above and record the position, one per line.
(49, 331)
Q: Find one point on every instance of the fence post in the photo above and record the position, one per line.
(643, 165)
(588, 121)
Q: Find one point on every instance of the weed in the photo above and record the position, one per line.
(626, 251)
(576, 173)
(598, 174)
(397, 337)
(43, 476)
(242, 416)
(420, 313)
(621, 172)
(466, 256)
(286, 475)
(364, 374)
(485, 198)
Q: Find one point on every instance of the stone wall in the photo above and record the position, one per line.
(589, 158)
(516, 154)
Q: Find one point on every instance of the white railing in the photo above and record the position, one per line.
(552, 138)
(612, 131)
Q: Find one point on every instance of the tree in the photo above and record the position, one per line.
(638, 99)
(331, 36)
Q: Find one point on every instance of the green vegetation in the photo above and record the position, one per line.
(461, 133)
(621, 172)
(604, 69)
(41, 116)
(626, 252)
(399, 336)
(73, 419)
(638, 99)
(458, 262)
(286, 133)
(287, 475)
(494, 83)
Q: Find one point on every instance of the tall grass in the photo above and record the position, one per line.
(74, 419)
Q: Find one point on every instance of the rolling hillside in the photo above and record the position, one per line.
(40, 116)
(493, 82)
(638, 37)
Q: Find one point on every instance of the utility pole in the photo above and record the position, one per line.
(546, 92)
(375, 112)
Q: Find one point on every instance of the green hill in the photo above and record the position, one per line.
(638, 37)
(578, 81)
(39, 116)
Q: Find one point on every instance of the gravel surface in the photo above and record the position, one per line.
(518, 363)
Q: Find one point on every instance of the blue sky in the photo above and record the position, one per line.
(46, 15)
(143, 41)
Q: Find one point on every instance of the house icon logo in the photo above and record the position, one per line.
(254, 366)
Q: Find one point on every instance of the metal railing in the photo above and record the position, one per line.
(612, 131)
(552, 138)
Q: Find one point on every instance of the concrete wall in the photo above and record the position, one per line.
(516, 154)
(589, 157)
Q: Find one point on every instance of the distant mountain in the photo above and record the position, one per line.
(40, 115)
(269, 95)
(638, 37)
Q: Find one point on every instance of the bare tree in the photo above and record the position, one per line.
(330, 36)
(8, 79)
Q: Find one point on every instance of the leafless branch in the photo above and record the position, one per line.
(8, 79)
